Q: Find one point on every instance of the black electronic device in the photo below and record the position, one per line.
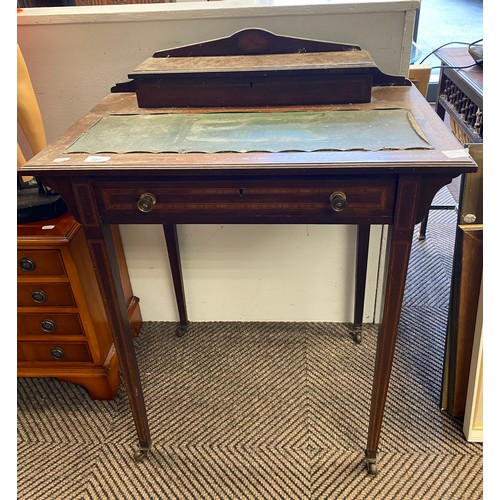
(36, 201)
(476, 52)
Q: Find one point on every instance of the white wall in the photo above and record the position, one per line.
(251, 272)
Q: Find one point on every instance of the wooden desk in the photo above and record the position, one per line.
(393, 187)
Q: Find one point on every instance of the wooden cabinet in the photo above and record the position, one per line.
(460, 94)
(62, 327)
(461, 98)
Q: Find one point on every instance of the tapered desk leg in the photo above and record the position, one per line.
(101, 245)
(360, 282)
(80, 197)
(423, 227)
(170, 231)
(399, 254)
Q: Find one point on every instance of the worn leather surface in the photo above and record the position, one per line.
(371, 130)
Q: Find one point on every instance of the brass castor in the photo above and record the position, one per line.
(371, 463)
(181, 330)
(140, 455)
(357, 330)
(356, 335)
(371, 468)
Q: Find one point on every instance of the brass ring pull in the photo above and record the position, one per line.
(48, 325)
(27, 264)
(57, 353)
(38, 296)
(146, 202)
(338, 201)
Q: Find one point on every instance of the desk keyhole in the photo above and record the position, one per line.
(241, 192)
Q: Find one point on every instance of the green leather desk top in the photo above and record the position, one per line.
(262, 131)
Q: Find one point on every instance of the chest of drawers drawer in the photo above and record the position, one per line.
(44, 294)
(315, 201)
(49, 323)
(40, 263)
(61, 352)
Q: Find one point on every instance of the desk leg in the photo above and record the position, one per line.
(360, 283)
(399, 254)
(80, 197)
(170, 231)
(423, 227)
(101, 245)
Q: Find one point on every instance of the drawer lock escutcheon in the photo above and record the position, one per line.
(146, 202)
(338, 201)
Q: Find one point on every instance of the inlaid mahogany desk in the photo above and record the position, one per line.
(361, 185)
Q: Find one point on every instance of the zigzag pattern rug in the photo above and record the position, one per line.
(263, 411)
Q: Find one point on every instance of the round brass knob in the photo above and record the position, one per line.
(57, 353)
(146, 202)
(338, 201)
(39, 296)
(48, 325)
(27, 264)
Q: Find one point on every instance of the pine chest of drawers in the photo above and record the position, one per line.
(62, 327)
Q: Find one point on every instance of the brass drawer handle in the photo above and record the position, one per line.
(146, 202)
(57, 353)
(27, 264)
(338, 201)
(38, 296)
(48, 325)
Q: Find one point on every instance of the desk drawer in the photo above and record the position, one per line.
(231, 201)
(44, 294)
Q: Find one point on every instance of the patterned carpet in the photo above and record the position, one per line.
(263, 411)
